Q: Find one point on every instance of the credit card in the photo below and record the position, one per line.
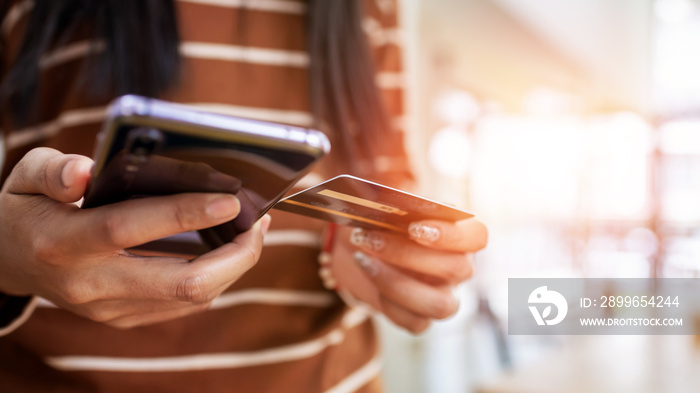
(352, 201)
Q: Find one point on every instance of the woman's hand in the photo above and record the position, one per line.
(409, 279)
(75, 257)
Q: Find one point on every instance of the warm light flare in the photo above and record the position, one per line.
(450, 152)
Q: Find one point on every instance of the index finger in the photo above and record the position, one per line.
(137, 221)
(462, 236)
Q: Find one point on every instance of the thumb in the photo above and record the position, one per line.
(44, 171)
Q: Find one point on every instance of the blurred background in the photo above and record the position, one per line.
(572, 128)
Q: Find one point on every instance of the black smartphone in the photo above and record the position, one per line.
(149, 147)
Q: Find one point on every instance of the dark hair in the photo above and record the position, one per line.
(140, 49)
(141, 57)
(343, 87)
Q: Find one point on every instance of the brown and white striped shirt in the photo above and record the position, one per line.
(276, 329)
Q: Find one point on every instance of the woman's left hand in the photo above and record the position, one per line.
(409, 279)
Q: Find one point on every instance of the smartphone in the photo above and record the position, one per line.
(149, 147)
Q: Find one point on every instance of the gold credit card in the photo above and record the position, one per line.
(349, 200)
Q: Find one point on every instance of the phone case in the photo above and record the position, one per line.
(149, 147)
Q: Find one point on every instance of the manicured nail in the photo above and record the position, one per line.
(327, 278)
(426, 233)
(325, 273)
(330, 284)
(324, 258)
(366, 263)
(373, 241)
(223, 207)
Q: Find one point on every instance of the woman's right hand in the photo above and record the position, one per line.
(75, 257)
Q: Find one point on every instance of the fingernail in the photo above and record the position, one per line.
(327, 278)
(324, 258)
(267, 220)
(366, 263)
(73, 168)
(223, 207)
(68, 174)
(225, 183)
(426, 233)
(371, 240)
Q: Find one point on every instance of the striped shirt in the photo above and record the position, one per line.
(276, 329)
